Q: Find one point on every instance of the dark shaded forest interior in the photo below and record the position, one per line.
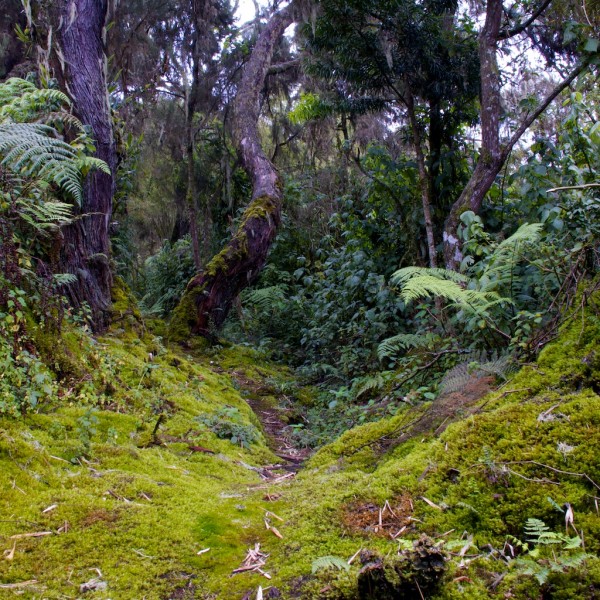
(299, 299)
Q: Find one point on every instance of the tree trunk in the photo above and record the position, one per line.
(86, 247)
(493, 155)
(488, 165)
(210, 295)
(191, 184)
(424, 183)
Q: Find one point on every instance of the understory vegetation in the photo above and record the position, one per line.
(299, 312)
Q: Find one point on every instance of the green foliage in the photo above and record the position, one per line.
(41, 171)
(165, 277)
(34, 150)
(228, 424)
(309, 107)
(541, 564)
(329, 562)
(491, 298)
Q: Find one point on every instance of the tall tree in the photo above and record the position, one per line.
(81, 67)
(210, 295)
(494, 152)
(413, 60)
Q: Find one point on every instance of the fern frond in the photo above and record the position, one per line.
(427, 286)
(390, 347)
(535, 529)
(30, 150)
(44, 215)
(475, 365)
(329, 562)
(267, 298)
(368, 383)
(404, 275)
(528, 233)
(64, 278)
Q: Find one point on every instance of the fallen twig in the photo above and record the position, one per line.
(254, 561)
(35, 534)
(353, 557)
(20, 584)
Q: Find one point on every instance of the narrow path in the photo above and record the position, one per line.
(274, 418)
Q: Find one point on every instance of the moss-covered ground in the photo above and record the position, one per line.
(124, 481)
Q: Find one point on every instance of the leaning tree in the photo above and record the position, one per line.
(210, 295)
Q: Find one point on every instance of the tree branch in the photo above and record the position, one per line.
(542, 107)
(508, 33)
(283, 66)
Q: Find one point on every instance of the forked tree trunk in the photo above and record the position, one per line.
(210, 295)
(86, 247)
(493, 154)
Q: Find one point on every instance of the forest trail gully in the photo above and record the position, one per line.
(275, 412)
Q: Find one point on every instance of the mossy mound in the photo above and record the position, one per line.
(524, 451)
(120, 482)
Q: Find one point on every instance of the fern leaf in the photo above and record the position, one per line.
(404, 275)
(535, 529)
(64, 278)
(391, 347)
(368, 383)
(329, 562)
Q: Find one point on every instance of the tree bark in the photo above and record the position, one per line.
(86, 248)
(424, 182)
(493, 154)
(210, 295)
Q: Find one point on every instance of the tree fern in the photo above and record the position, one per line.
(330, 562)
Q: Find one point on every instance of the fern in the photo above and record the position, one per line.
(34, 150)
(266, 299)
(539, 534)
(404, 275)
(369, 383)
(391, 347)
(476, 365)
(329, 562)
(64, 278)
(22, 101)
(29, 150)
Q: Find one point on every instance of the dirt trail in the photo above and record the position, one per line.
(274, 417)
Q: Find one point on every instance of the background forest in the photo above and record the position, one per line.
(393, 198)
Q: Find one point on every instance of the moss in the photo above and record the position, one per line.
(185, 316)
(138, 512)
(260, 208)
(124, 310)
(133, 500)
(485, 476)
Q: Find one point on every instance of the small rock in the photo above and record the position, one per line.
(93, 585)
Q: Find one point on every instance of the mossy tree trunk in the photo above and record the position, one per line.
(211, 294)
(82, 69)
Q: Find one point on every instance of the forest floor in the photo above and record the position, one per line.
(275, 414)
(172, 473)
